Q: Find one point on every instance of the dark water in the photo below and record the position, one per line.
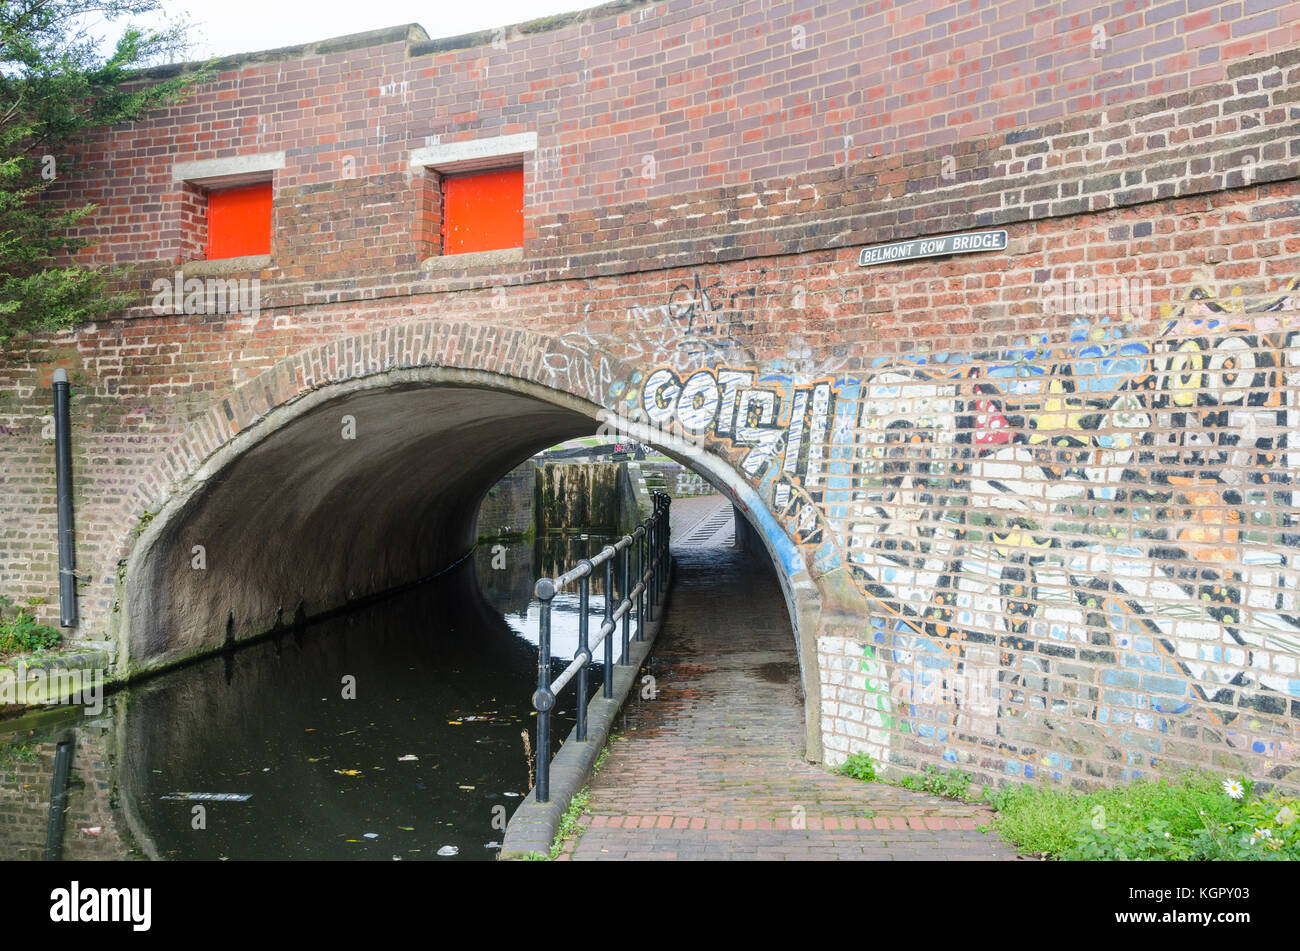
(427, 760)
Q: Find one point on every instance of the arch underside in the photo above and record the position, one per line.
(363, 492)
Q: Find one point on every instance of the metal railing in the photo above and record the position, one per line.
(648, 547)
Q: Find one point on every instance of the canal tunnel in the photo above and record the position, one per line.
(352, 492)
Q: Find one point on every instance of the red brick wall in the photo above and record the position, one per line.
(704, 126)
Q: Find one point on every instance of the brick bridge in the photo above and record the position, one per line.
(1033, 510)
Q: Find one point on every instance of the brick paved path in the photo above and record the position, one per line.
(711, 768)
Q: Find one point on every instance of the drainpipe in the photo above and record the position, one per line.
(63, 487)
(58, 802)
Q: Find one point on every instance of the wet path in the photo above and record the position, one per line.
(711, 767)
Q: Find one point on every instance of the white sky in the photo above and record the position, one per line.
(222, 27)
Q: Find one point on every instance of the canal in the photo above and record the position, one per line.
(395, 731)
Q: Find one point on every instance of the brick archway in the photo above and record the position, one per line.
(257, 469)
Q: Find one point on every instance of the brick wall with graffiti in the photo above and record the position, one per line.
(1047, 494)
(1077, 559)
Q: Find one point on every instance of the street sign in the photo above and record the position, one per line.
(933, 247)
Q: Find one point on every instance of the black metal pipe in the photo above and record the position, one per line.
(63, 489)
(58, 802)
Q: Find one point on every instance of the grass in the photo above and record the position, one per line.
(1195, 816)
(13, 754)
(1191, 816)
(952, 784)
(570, 827)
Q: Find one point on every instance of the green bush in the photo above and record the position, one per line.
(20, 632)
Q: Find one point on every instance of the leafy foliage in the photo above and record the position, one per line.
(953, 784)
(1191, 818)
(20, 632)
(54, 88)
(859, 766)
(570, 827)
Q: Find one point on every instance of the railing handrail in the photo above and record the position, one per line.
(584, 567)
(650, 539)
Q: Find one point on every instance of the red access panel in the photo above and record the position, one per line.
(483, 211)
(239, 221)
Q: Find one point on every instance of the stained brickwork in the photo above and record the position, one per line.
(1047, 495)
(92, 829)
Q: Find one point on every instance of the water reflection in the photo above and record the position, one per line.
(392, 732)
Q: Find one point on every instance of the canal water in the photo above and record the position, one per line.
(392, 732)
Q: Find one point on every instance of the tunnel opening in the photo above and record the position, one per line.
(368, 486)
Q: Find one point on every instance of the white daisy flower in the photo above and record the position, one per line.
(1234, 788)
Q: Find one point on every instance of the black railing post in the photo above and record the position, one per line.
(584, 594)
(640, 574)
(626, 556)
(650, 566)
(607, 691)
(668, 552)
(658, 547)
(663, 539)
(543, 699)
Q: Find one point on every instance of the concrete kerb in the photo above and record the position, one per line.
(533, 826)
(52, 679)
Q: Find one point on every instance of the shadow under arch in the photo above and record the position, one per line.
(366, 484)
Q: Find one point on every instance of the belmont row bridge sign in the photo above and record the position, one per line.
(933, 247)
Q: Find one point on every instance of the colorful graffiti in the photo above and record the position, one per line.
(1105, 529)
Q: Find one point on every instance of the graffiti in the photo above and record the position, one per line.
(579, 366)
(700, 324)
(690, 483)
(1129, 502)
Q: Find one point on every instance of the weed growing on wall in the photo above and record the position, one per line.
(570, 827)
(952, 784)
(20, 632)
(859, 766)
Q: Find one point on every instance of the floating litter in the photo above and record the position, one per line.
(449, 850)
(210, 796)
